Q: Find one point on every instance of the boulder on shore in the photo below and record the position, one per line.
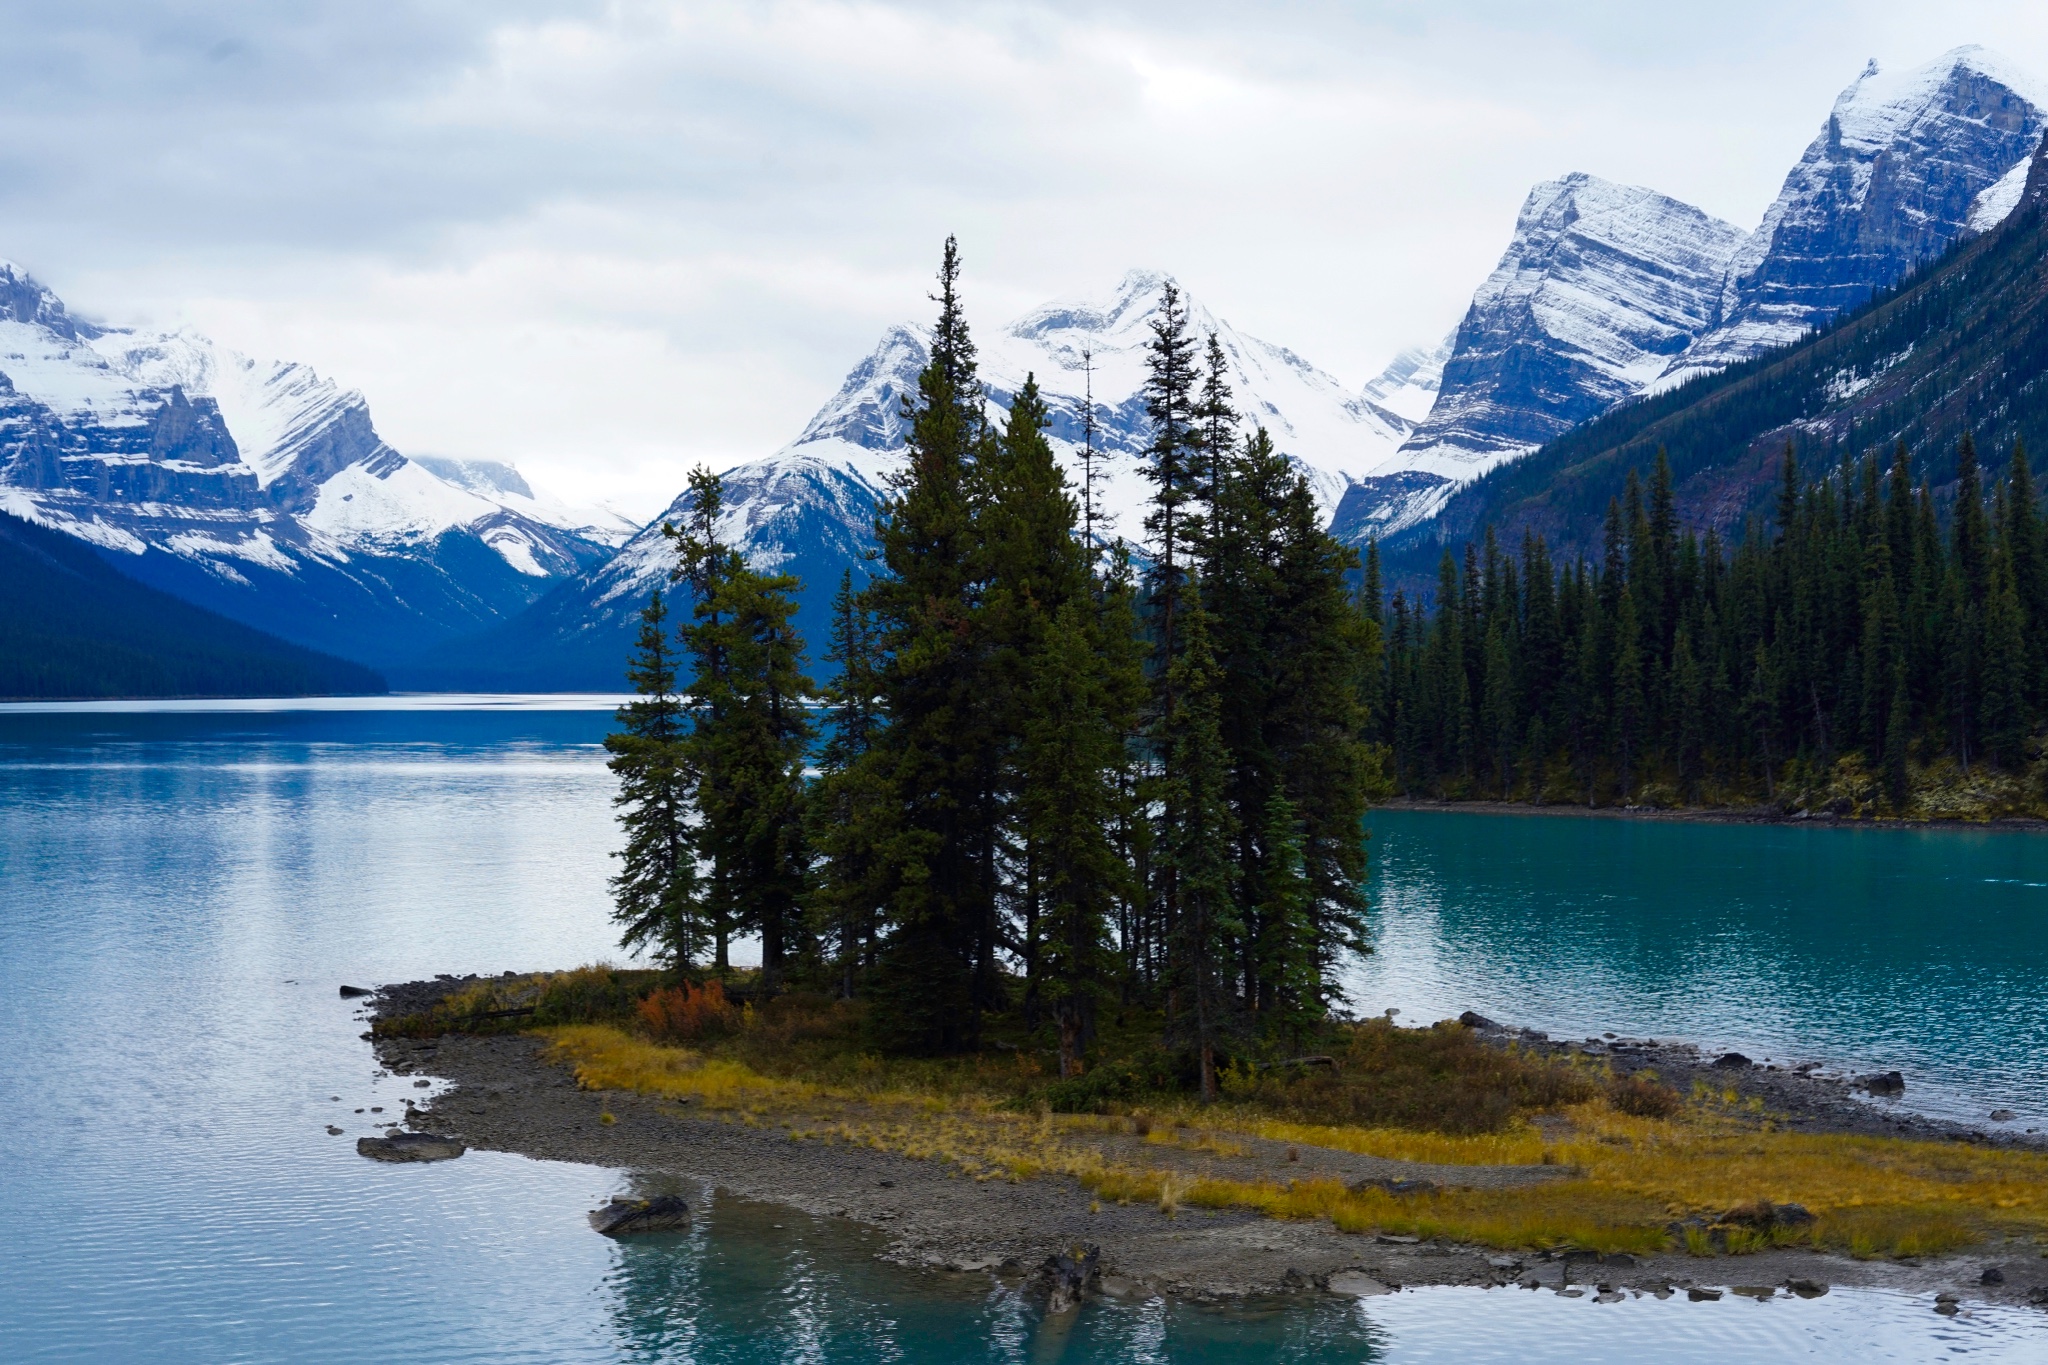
(626, 1215)
(410, 1147)
(1069, 1275)
(1885, 1083)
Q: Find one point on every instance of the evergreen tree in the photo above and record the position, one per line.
(849, 805)
(655, 892)
(1195, 844)
(1295, 997)
(748, 741)
(936, 866)
(1071, 751)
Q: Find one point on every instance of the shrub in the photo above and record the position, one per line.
(686, 1013)
(588, 995)
(1124, 1078)
(1642, 1096)
(1443, 1079)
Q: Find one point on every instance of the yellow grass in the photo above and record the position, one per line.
(1628, 1177)
(1520, 1145)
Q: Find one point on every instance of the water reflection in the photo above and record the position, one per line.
(756, 1282)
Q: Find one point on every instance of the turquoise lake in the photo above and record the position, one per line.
(182, 889)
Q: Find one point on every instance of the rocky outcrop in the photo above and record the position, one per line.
(625, 1215)
(410, 1147)
(261, 491)
(1888, 184)
(1607, 293)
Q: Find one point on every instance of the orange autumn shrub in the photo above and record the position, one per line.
(685, 1013)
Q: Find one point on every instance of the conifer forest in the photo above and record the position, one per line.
(1048, 772)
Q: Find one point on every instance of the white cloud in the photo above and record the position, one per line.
(605, 240)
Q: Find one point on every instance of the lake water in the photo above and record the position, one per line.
(182, 889)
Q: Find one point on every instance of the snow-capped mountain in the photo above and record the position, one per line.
(1894, 177)
(809, 509)
(1600, 287)
(262, 490)
(1607, 292)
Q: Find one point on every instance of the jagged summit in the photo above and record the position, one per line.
(809, 508)
(24, 300)
(1899, 170)
(1608, 292)
(1600, 286)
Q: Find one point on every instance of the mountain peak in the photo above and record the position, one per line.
(1881, 108)
(26, 300)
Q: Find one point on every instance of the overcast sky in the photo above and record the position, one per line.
(607, 240)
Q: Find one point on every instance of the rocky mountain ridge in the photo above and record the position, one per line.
(262, 490)
(1607, 293)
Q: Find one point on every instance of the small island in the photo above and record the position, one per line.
(1459, 1153)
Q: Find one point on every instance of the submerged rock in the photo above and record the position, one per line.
(410, 1147)
(626, 1215)
(1357, 1284)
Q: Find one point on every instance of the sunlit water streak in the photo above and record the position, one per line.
(182, 891)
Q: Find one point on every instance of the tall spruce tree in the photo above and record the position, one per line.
(849, 802)
(654, 893)
(1195, 844)
(937, 866)
(748, 742)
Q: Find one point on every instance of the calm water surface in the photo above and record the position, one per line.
(1865, 949)
(182, 890)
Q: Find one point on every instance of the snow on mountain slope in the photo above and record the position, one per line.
(1600, 286)
(1076, 346)
(1890, 182)
(809, 509)
(1996, 203)
(1606, 292)
(1409, 385)
(220, 475)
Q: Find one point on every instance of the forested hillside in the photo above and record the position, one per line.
(71, 626)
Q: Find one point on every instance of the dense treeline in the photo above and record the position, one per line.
(1053, 773)
(1847, 649)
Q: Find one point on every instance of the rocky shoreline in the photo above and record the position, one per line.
(1804, 1096)
(506, 1097)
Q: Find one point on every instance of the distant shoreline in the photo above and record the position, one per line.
(1712, 815)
